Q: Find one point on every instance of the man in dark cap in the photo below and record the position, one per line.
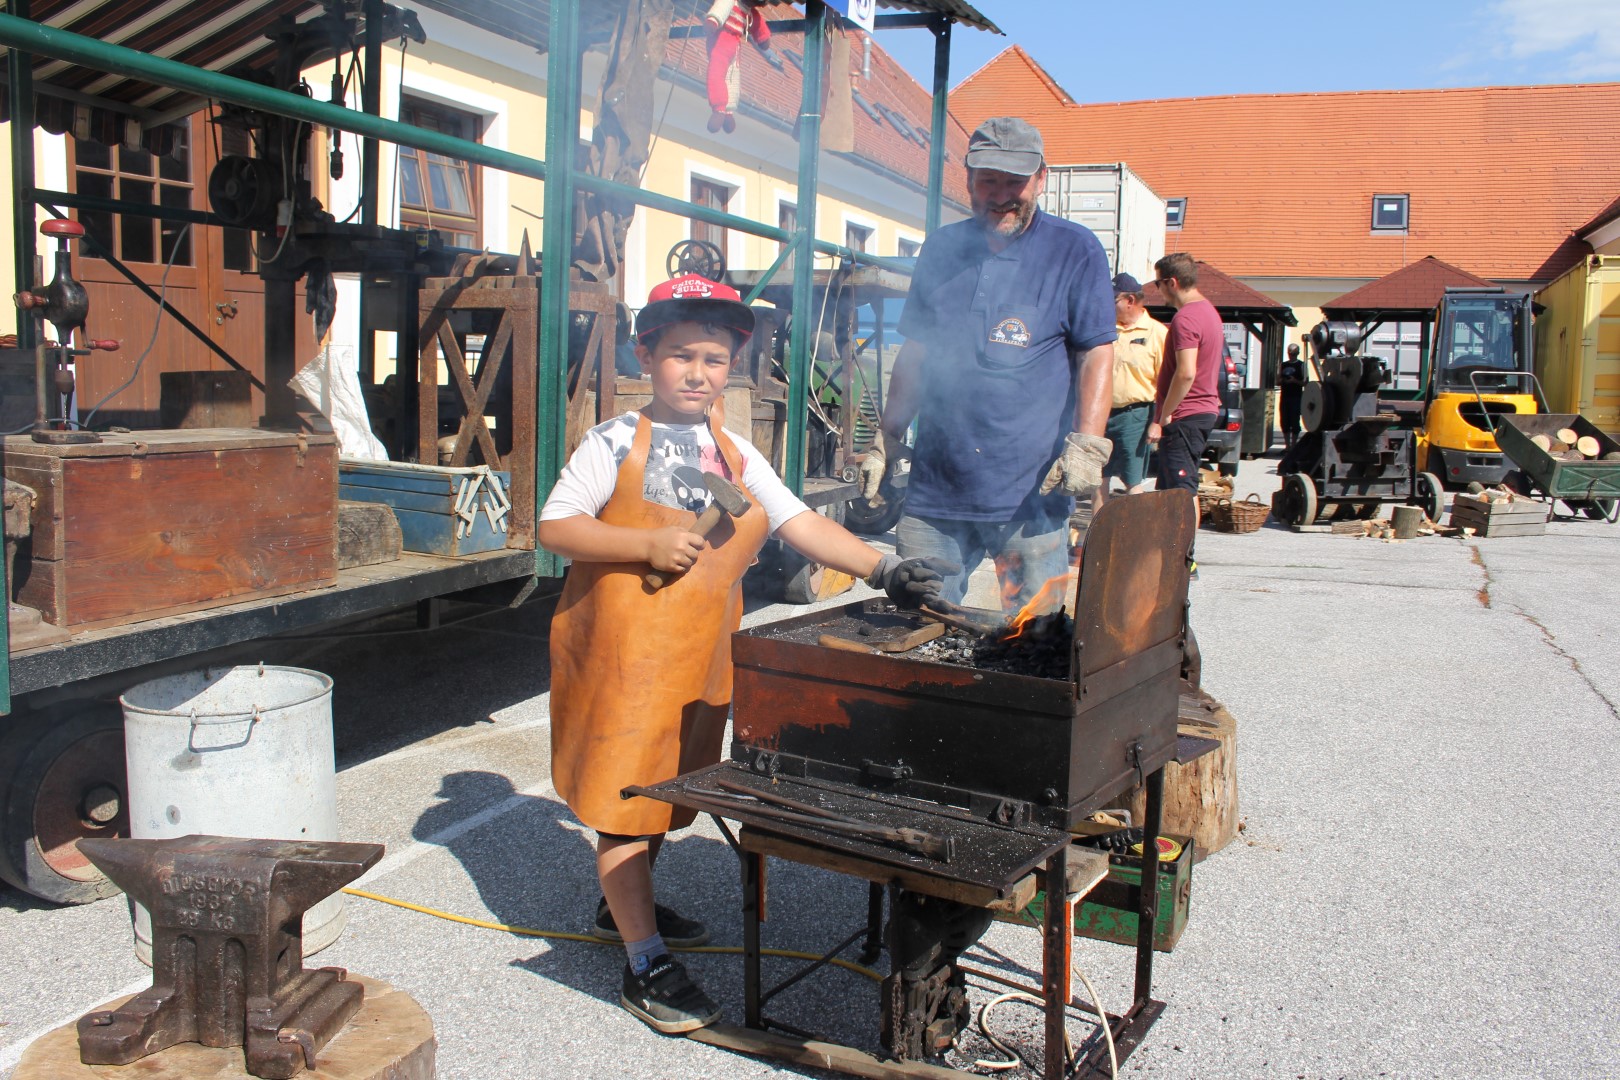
(1137, 355)
(1007, 370)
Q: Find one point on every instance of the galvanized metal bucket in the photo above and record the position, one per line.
(240, 751)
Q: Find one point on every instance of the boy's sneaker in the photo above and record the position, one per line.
(677, 930)
(667, 999)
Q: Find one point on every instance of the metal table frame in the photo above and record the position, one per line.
(1128, 1028)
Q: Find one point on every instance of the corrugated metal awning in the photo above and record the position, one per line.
(217, 35)
(237, 37)
(959, 11)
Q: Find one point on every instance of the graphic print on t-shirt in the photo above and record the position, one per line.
(1011, 331)
(676, 460)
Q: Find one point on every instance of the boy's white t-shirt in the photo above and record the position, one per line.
(677, 459)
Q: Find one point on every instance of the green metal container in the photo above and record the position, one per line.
(1108, 912)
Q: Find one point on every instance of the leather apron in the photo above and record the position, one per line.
(641, 681)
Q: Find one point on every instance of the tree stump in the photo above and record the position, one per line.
(1201, 797)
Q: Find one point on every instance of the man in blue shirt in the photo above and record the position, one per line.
(1008, 371)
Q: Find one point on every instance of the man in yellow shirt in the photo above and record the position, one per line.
(1137, 355)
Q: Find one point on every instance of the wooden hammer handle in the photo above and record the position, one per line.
(657, 579)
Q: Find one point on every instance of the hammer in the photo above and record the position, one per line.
(728, 501)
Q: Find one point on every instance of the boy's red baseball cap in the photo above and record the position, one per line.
(694, 298)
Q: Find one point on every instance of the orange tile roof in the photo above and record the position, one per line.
(1603, 217)
(1224, 291)
(1417, 287)
(877, 143)
(1282, 184)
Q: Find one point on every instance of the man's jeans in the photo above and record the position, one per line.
(1025, 560)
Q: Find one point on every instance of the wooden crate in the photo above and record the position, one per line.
(156, 523)
(442, 510)
(1521, 517)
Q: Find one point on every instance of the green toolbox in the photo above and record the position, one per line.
(1108, 912)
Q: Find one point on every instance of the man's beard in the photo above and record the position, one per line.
(1006, 228)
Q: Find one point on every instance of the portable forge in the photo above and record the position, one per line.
(954, 786)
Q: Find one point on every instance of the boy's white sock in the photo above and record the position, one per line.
(642, 953)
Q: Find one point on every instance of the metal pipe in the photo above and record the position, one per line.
(936, 142)
(765, 279)
(20, 33)
(370, 177)
(371, 104)
(654, 201)
(556, 255)
(815, 36)
(20, 83)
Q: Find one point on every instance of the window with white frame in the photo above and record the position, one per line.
(436, 191)
(715, 196)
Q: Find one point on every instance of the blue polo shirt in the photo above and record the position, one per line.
(998, 381)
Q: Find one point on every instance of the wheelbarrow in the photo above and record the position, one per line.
(1588, 487)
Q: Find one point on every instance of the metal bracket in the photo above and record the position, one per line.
(898, 771)
(1133, 758)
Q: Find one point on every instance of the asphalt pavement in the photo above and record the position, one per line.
(1427, 883)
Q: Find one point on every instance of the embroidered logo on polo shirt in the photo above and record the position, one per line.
(1011, 331)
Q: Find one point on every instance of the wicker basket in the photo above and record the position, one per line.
(1211, 493)
(1239, 516)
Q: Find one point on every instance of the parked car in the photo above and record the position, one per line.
(1226, 440)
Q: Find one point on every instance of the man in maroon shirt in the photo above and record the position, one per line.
(1188, 399)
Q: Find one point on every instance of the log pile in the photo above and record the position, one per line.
(1567, 445)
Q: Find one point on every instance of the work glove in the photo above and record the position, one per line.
(912, 583)
(880, 458)
(1078, 470)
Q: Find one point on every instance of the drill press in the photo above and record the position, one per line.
(64, 303)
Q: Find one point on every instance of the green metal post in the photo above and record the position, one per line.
(371, 103)
(936, 141)
(370, 176)
(556, 253)
(815, 37)
(21, 87)
(21, 79)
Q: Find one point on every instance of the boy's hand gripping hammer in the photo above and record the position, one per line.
(728, 501)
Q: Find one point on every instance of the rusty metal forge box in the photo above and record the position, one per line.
(154, 523)
(1012, 748)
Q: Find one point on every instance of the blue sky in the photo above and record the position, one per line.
(1127, 52)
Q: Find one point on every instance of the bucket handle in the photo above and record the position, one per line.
(191, 739)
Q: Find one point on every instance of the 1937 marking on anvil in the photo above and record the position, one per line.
(210, 895)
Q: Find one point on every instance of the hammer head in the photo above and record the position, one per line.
(727, 496)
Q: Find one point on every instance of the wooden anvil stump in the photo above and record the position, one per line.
(227, 949)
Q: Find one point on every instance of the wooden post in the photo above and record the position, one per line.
(1200, 797)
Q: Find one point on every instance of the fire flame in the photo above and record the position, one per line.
(1049, 599)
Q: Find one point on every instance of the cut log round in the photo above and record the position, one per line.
(1567, 435)
(1542, 441)
(1201, 797)
(1587, 445)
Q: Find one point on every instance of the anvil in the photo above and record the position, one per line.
(227, 949)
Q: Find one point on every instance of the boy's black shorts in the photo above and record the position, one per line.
(1181, 444)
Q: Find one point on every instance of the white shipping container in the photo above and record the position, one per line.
(1117, 205)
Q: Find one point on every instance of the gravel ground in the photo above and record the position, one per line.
(1426, 883)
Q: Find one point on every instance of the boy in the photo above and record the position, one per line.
(641, 678)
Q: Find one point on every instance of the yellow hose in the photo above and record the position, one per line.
(591, 939)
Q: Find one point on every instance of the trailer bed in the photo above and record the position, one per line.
(360, 591)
